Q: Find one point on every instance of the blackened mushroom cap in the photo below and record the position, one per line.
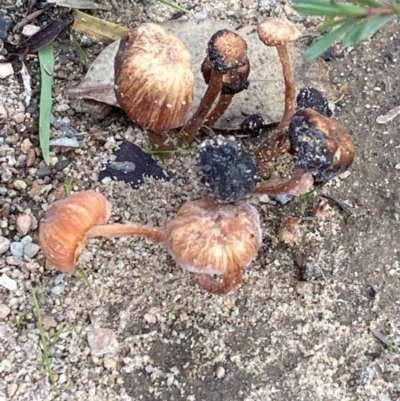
(226, 51)
(226, 169)
(233, 81)
(206, 237)
(320, 145)
(314, 99)
(154, 81)
(277, 31)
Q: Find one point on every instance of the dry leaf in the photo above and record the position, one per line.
(265, 95)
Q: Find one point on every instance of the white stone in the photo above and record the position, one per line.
(29, 30)
(8, 282)
(4, 244)
(6, 69)
(4, 311)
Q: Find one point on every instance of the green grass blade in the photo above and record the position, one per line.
(46, 60)
(328, 40)
(82, 54)
(330, 9)
(175, 6)
(328, 25)
(370, 3)
(365, 29)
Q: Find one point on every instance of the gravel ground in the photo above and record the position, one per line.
(314, 320)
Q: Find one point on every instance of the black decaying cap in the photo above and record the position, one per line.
(320, 145)
(313, 98)
(226, 169)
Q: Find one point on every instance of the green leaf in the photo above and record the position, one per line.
(365, 29)
(328, 9)
(174, 5)
(46, 60)
(328, 40)
(326, 26)
(82, 54)
(370, 3)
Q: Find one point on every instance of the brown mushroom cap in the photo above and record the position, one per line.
(320, 145)
(277, 31)
(226, 51)
(62, 232)
(154, 81)
(211, 238)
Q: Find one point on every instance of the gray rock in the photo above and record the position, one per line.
(31, 250)
(4, 244)
(26, 240)
(8, 282)
(102, 341)
(17, 249)
(58, 289)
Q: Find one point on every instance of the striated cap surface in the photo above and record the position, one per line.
(277, 31)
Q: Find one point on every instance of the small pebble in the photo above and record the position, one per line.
(58, 289)
(4, 244)
(49, 322)
(26, 240)
(6, 69)
(150, 318)
(149, 369)
(11, 390)
(8, 282)
(6, 174)
(23, 224)
(62, 378)
(17, 249)
(31, 250)
(4, 311)
(29, 30)
(13, 261)
(220, 373)
(110, 363)
(397, 167)
(19, 118)
(19, 184)
(44, 171)
(102, 341)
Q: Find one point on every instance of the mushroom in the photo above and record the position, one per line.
(154, 81)
(278, 32)
(209, 239)
(226, 169)
(320, 145)
(235, 81)
(70, 222)
(204, 238)
(310, 97)
(226, 52)
(322, 149)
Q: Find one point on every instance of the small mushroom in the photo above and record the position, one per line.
(320, 145)
(234, 82)
(252, 125)
(210, 239)
(226, 52)
(70, 222)
(279, 32)
(154, 81)
(226, 169)
(204, 238)
(310, 97)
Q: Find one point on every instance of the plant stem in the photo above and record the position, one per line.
(155, 234)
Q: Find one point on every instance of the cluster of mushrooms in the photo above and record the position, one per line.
(219, 234)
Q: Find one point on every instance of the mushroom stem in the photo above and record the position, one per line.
(298, 185)
(161, 140)
(223, 103)
(155, 234)
(290, 86)
(191, 127)
(210, 284)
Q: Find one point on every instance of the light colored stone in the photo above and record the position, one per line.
(150, 318)
(17, 249)
(220, 373)
(31, 250)
(29, 30)
(4, 311)
(23, 224)
(11, 390)
(110, 363)
(8, 282)
(26, 146)
(19, 184)
(6, 69)
(4, 244)
(58, 289)
(49, 322)
(19, 118)
(102, 341)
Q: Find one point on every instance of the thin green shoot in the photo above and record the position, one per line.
(46, 60)
(43, 339)
(68, 184)
(305, 198)
(169, 151)
(172, 313)
(175, 6)
(83, 275)
(82, 54)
